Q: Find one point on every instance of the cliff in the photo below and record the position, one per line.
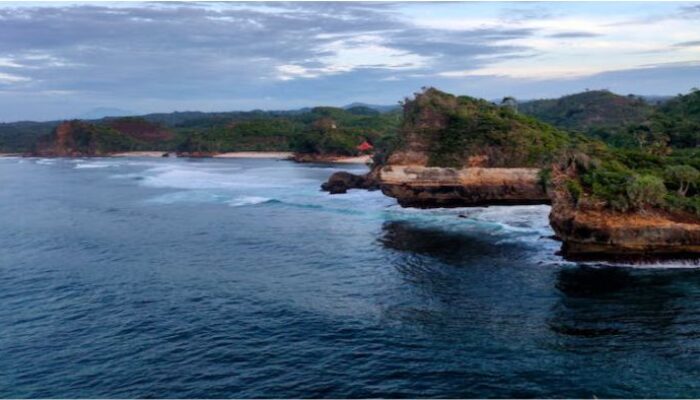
(460, 151)
(622, 225)
(79, 138)
(426, 187)
(606, 202)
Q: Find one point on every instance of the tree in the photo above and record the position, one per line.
(683, 176)
(510, 102)
(645, 190)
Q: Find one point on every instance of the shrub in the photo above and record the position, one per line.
(683, 176)
(645, 190)
(575, 189)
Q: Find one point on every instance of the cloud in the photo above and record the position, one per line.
(573, 35)
(164, 56)
(692, 43)
(9, 78)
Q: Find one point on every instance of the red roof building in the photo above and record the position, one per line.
(365, 146)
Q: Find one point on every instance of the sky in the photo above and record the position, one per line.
(62, 60)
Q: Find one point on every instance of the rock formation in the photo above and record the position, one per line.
(446, 157)
(458, 151)
(426, 187)
(341, 182)
(591, 231)
(85, 139)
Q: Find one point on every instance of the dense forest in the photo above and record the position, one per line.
(317, 130)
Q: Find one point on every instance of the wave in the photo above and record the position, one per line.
(93, 165)
(249, 201)
(200, 196)
(176, 177)
(189, 196)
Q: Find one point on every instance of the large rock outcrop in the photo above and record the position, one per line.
(341, 182)
(426, 187)
(589, 230)
(458, 151)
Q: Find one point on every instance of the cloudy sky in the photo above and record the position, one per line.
(60, 60)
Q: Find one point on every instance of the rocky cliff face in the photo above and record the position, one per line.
(590, 231)
(427, 187)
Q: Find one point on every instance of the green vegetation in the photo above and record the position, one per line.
(634, 179)
(328, 130)
(649, 173)
(20, 137)
(624, 121)
(679, 120)
(457, 128)
(598, 113)
(318, 130)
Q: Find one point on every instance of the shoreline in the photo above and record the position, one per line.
(274, 155)
(280, 155)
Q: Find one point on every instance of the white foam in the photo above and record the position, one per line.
(189, 196)
(248, 201)
(668, 264)
(177, 177)
(93, 165)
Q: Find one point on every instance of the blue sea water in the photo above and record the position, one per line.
(239, 278)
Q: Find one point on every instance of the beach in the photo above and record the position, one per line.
(277, 155)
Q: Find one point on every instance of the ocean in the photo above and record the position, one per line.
(240, 278)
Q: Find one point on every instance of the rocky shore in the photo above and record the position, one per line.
(485, 171)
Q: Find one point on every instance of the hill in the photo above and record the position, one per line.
(319, 130)
(679, 120)
(443, 130)
(595, 112)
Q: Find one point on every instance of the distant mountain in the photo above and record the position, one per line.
(590, 110)
(380, 108)
(102, 112)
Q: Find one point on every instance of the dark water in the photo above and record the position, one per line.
(225, 278)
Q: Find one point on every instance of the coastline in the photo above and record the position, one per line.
(275, 155)
(332, 159)
(280, 155)
(140, 154)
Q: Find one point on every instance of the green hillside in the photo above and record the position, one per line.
(597, 112)
(454, 128)
(317, 130)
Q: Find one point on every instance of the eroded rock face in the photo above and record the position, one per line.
(593, 233)
(69, 139)
(429, 187)
(590, 235)
(341, 182)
